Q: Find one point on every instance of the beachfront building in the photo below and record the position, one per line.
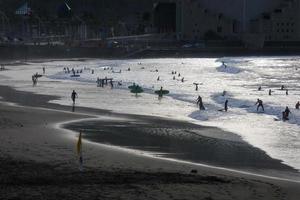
(251, 20)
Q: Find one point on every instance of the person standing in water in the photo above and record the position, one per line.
(285, 113)
(200, 103)
(259, 88)
(259, 103)
(226, 105)
(74, 96)
(270, 92)
(297, 105)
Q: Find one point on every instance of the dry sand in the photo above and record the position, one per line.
(38, 161)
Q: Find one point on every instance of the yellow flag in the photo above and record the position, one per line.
(79, 145)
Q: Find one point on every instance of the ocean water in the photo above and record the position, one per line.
(240, 79)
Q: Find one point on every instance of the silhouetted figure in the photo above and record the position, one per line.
(200, 103)
(287, 92)
(226, 105)
(285, 113)
(182, 80)
(223, 63)
(179, 75)
(297, 105)
(224, 93)
(259, 103)
(173, 77)
(160, 94)
(44, 70)
(270, 92)
(259, 88)
(34, 80)
(282, 87)
(111, 84)
(196, 87)
(74, 96)
(158, 78)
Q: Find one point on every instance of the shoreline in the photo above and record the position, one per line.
(36, 145)
(42, 101)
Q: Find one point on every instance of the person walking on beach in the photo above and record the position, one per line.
(297, 105)
(74, 96)
(226, 105)
(259, 103)
(200, 103)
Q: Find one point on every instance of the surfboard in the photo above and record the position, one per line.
(132, 86)
(161, 92)
(76, 75)
(137, 89)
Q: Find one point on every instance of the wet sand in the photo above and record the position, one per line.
(188, 143)
(38, 161)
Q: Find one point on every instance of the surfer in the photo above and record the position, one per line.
(158, 78)
(226, 105)
(282, 87)
(259, 103)
(34, 80)
(200, 103)
(259, 88)
(196, 87)
(173, 77)
(182, 80)
(270, 92)
(297, 105)
(74, 96)
(287, 92)
(44, 70)
(160, 94)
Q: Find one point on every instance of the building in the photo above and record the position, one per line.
(248, 20)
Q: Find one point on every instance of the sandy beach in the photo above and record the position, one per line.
(38, 161)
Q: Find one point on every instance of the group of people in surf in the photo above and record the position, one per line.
(286, 112)
(281, 88)
(259, 103)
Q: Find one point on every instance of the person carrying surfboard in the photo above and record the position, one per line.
(160, 92)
